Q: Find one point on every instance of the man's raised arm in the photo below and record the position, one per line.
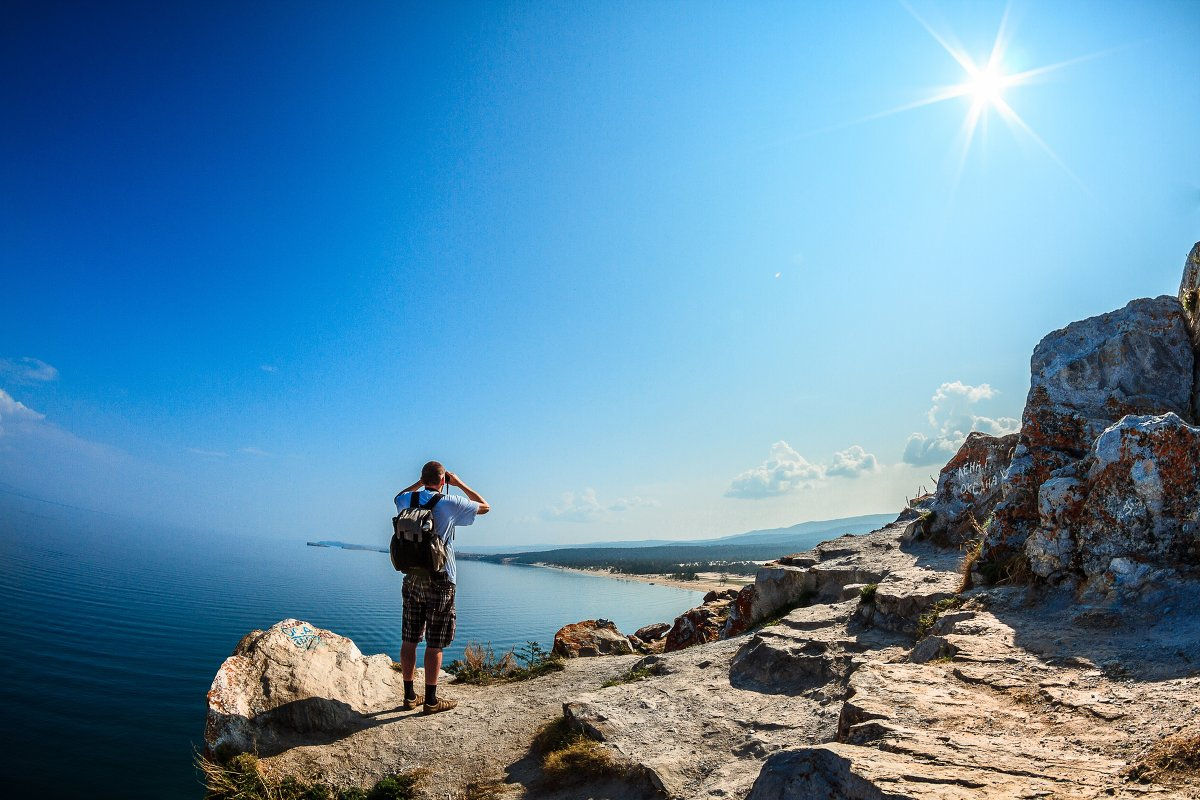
(471, 494)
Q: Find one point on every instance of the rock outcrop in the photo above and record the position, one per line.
(291, 682)
(1085, 377)
(906, 576)
(968, 488)
(592, 637)
(1189, 298)
(652, 632)
(704, 623)
(1126, 517)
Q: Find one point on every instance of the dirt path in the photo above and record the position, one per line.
(486, 739)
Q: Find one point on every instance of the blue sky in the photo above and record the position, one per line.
(631, 269)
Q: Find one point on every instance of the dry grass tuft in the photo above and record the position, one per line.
(1025, 696)
(239, 777)
(554, 735)
(569, 757)
(1173, 756)
(585, 759)
(484, 790)
(974, 547)
(242, 778)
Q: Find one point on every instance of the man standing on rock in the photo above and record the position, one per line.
(429, 600)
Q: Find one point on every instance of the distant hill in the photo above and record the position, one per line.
(801, 532)
(348, 546)
(736, 553)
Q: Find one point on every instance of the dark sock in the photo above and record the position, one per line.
(430, 694)
(409, 692)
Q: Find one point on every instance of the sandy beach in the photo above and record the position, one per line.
(705, 581)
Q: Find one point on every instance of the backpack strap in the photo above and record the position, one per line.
(433, 501)
(414, 499)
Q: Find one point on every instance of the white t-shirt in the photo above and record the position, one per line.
(450, 511)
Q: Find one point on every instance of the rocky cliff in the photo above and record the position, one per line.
(1028, 630)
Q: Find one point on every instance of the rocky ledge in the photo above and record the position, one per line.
(1031, 629)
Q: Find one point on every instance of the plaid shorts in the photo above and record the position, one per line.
(428, 609)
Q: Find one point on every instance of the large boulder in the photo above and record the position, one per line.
(699, 625)
(291, 681)
(1137, 360)
(1128, 515)
(968, 488)
(592, 637)
(652, 632)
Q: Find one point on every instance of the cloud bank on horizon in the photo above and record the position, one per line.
(585, 506)
(786, 471)
(951, 417)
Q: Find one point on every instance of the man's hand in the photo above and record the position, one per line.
(452, 480)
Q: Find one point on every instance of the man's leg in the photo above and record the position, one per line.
(408, 660)
(439, 632)
(433, 665)
(411, 631)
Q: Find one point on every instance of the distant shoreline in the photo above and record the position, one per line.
(705, 582)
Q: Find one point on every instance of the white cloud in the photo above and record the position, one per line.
(24, 428)
(268, 368)
(255, 451)
(920, 449)
(15, 412)
(627, 503)
(207, 453)
(953, 395)
(852, 462)
(28, 370)
(952, 417)
(584, 506)
(784, 471)
(575, 507)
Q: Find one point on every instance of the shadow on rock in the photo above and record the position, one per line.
(300, 723)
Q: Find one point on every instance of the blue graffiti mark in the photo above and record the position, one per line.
(303, 636)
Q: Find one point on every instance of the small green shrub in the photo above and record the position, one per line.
(1191, 300)
(866, 595)
(480, 665)
(926, 621)
(394, 787)
(638, 672)
(806, 597)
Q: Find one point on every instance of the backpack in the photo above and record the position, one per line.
(416, 548)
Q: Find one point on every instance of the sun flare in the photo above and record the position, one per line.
(986, 86)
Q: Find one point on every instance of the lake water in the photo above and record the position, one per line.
(115, 630)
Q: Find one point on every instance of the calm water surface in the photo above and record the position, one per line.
(115, 631)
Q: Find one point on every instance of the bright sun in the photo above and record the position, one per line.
(986, 86)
